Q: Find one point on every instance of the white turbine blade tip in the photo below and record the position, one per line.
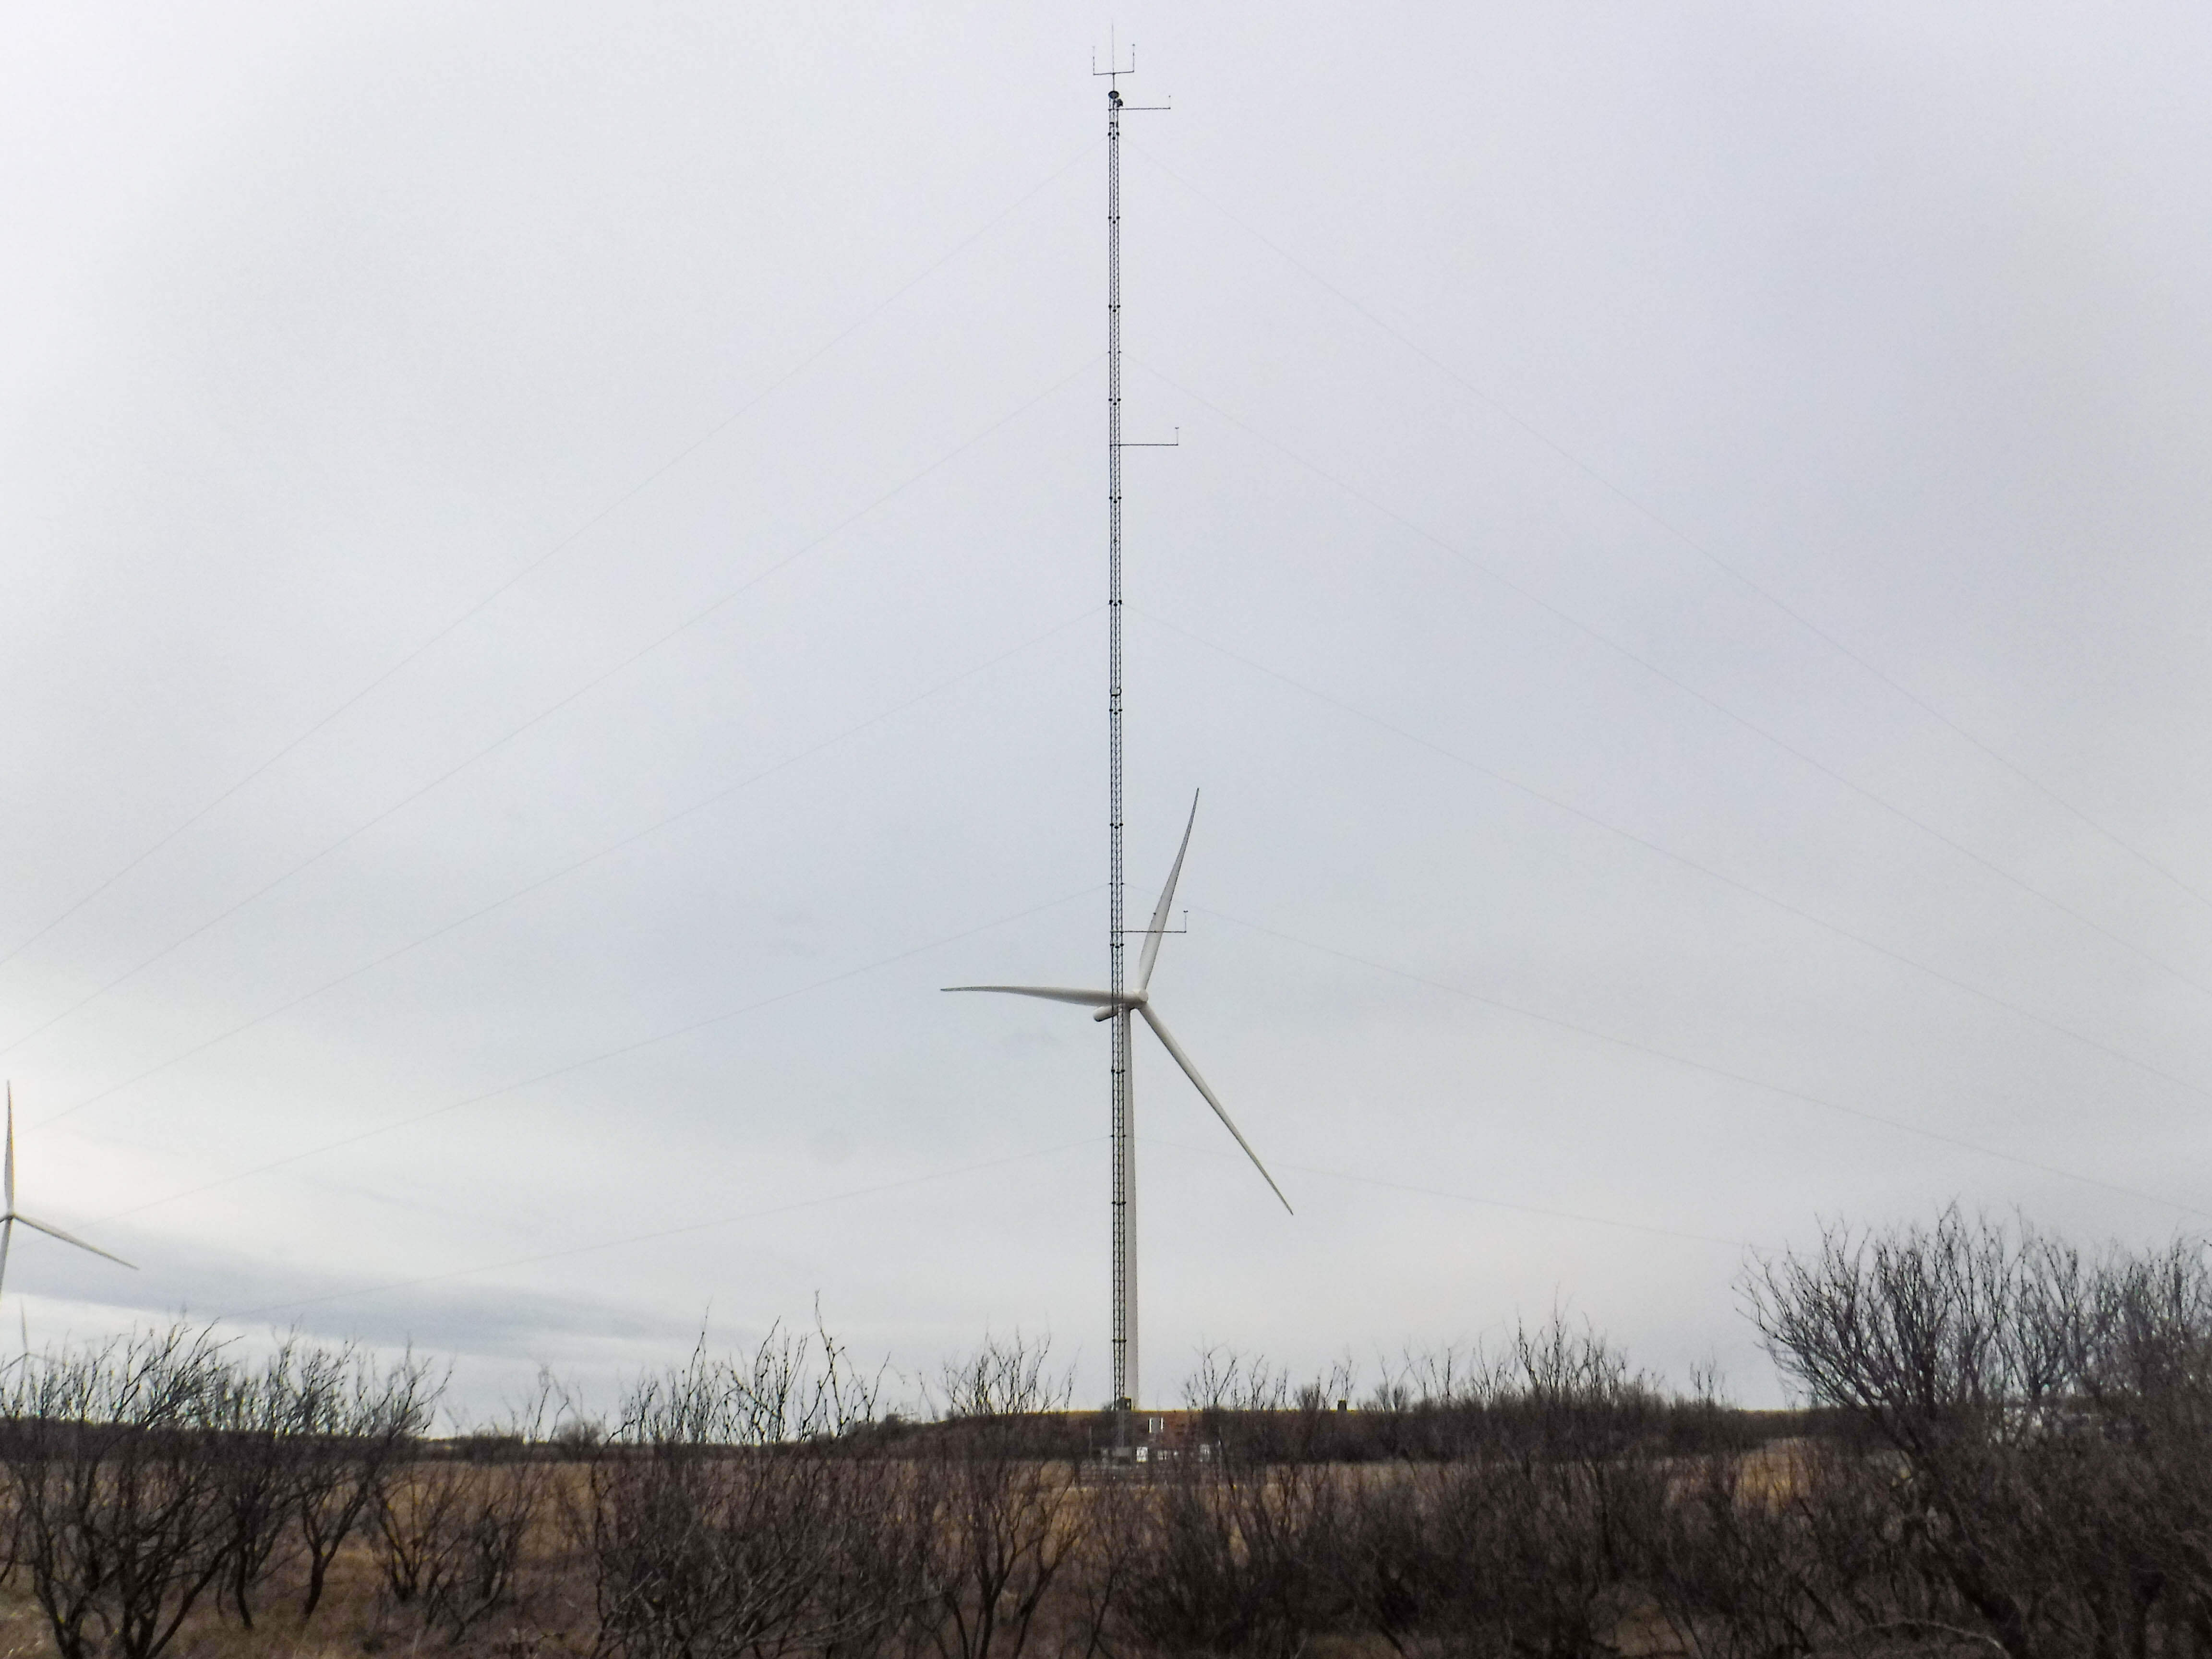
(1175, 1051)
(1160, 912)
(52, 1231)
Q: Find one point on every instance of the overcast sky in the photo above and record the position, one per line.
(551, 564)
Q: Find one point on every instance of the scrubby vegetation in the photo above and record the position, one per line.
(2006, 1447)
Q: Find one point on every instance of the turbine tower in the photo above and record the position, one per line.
(12, 1219)
(1117, 1003)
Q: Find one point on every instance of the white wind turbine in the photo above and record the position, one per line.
(1118, 1001)
(13, 1219)
(1118, 1006)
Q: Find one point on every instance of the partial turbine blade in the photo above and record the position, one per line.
(11, 1149)
(1167, 900)
(1219, 1110)
(71, 1239)
(1050, 993)
(7, 1237)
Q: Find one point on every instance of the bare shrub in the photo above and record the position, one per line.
(454, 1526)
(1228, 1556)
(1512, 1502)
(1108, 1542)
(451, 1535)
(118, 1490)
(999, 1522)
(1535, 1534)
(2041, 1424)
(353, 1421)
(1798, 1551)
(1252, 1410)
(254, 1440)
(731, 1515)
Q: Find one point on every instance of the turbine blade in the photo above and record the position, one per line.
(1167, 901)
(11, 1148)
(71, 1239)
(1220, 1112)
(1050, 993)
(7, 1237)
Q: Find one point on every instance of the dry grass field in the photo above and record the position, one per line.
(2012, 1453)
(548, 1606)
